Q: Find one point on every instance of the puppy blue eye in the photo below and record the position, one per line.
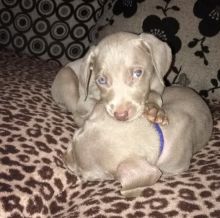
(137, 73)
(101, 80)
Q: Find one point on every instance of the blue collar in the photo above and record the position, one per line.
(160, 133)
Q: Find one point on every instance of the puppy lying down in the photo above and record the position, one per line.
(138, 152)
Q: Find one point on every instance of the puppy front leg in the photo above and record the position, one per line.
(154, 102)
(153, 109)
(135, 174)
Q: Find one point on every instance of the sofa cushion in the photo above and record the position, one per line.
(33, 137)
(57, 31)
(34, 134)
(190, 28)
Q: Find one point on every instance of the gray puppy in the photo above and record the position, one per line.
(137, 152)
(125, 71)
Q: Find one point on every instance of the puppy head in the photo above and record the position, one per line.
(123, 66)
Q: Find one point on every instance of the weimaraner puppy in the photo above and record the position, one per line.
(125, 71)
(138, 152)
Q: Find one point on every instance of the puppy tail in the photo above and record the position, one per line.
(70, 160)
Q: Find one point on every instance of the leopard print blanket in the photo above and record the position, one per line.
(34, 134)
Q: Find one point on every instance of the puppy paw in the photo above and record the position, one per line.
(135, 174)
(155, 114)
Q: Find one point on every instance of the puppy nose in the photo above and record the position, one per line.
(122, 115)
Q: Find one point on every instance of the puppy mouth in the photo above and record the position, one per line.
(131, 114)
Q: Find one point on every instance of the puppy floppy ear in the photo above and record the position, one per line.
(86, 70)
(160, 52)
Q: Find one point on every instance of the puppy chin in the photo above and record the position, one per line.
(136, 115)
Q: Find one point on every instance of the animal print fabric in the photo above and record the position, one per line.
(34, 134)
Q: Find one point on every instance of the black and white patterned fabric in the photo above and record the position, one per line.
(190, 28)
(59, 31)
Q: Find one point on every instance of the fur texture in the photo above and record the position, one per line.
(124, 71)
(106, 148)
